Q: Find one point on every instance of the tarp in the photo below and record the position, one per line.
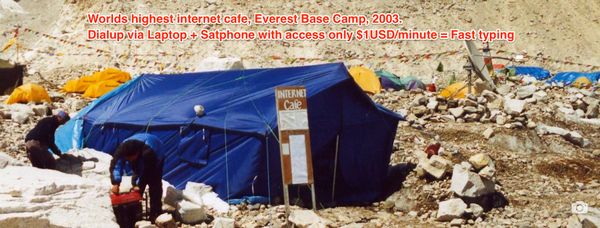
(366, 79)
(569, 77)
(83, 83)
(538, 73)
(29, 93)
(456, 90)
(234, 147)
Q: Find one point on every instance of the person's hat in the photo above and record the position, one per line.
(63, 115)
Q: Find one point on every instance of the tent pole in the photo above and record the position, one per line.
(337, 144)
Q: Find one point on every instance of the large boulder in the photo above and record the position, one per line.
(202, 194)
(165, 221)
(526, 91)
(480, 160)
(191, 213)
(48, 198)
(436, 166)
(469, 184)
(514, 107)
(450, 209)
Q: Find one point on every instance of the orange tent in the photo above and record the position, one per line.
(100, 88)
(110, 74)
(29, 93)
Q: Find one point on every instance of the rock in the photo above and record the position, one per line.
(542, 129)
(75, 104)
(450, 209)
(221, 222)
(457, 112)
(469, 184)
(476, 210)
(172, 195)
(576, 138)
(579, 113)
(40, 110)
(6, 160)
(540, 95)
(49, 198)
(191, 213)
(592, 110)
(202, 194)
(573, 222)
(214, 63)
(436, 166)
(432, 104)
(418, 110)
(165, 221)
(307, 218)
(501, 120)
(470, 103)
(589, 221)
(472, 97)
(480, 160)
(514, 107)
(526, 91)
(470, 109)
(457, 222)
(419, 100)
(487, 134)
(20, 117)
(487, 172)
(144, 224)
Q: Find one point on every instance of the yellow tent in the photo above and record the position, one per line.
(110, 74)
(582, 82)
(28, 93)
(366, 79)
(100, 88)
(456, 90)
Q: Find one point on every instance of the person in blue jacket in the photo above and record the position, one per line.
(140, 156)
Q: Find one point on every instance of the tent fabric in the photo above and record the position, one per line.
(100, 88)
(582, 82)
(414, 85)
(538, 73)
(569, 77)
(386, 83)
(456, 90)
(366, 79)
(29, 93)
(234, 146)
(84, 82)
(390, 76)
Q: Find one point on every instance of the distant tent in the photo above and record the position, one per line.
(234, 147)
(11, 76)
(414, 85)
(386, 83)
(101, 77)
(582, 82)
(29, 93)
(569, 77)
(456, 90)
(390, 76)
(100, 88)
(538, 73)
(366, 79)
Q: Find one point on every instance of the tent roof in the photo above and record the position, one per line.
(240, 100)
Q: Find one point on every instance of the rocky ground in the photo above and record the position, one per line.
(516, 158)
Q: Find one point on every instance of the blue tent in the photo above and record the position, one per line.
(569, 77)
(538, 73)
(234, 146)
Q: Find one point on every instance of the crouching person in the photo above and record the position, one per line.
(41, 138)
(140, 154)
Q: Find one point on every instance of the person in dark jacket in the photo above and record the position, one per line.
(139, 156)
(41, 138)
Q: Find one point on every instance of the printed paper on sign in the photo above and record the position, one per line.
(293, 120)
(298, 159)
(285, 149)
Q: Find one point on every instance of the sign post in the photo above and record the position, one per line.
(294, 140)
